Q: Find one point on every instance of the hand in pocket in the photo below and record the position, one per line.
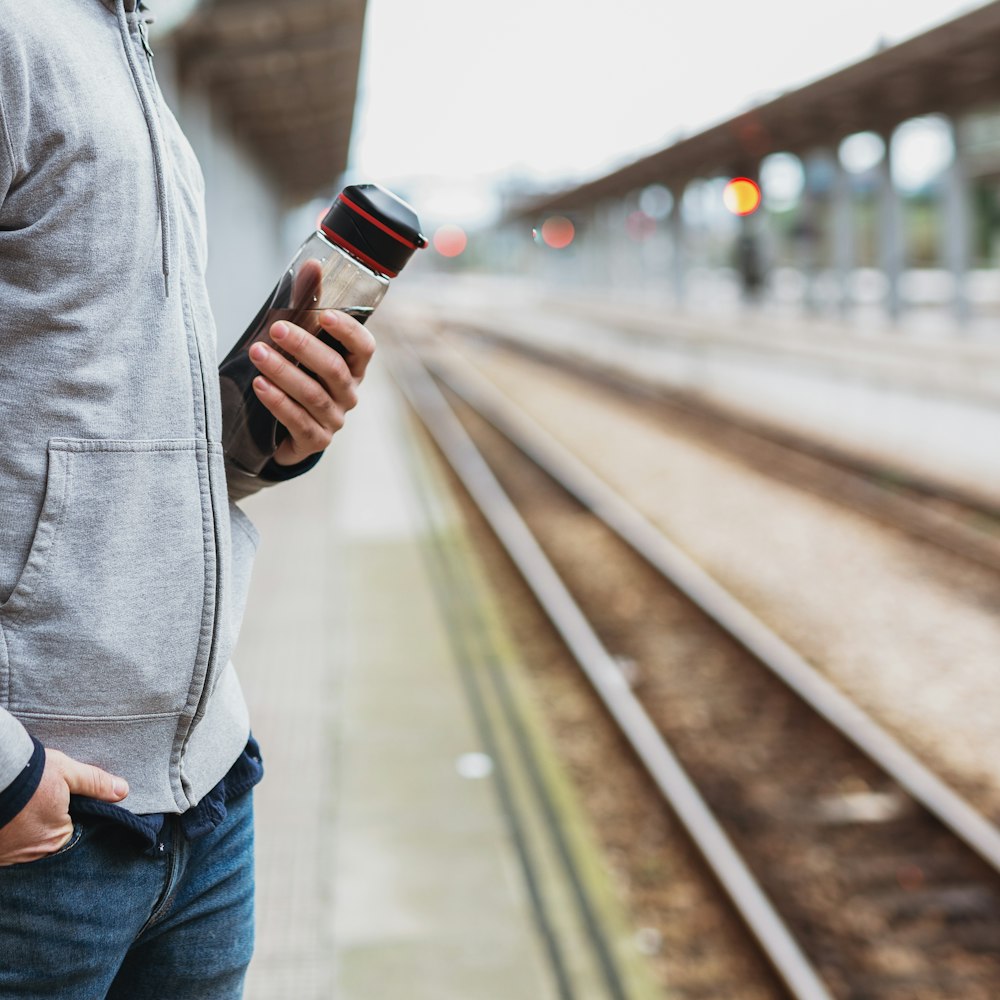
(43, 826)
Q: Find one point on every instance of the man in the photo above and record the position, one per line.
(125, 755)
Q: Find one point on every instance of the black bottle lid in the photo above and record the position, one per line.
(375, 226)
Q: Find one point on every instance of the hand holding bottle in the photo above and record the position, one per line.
(362, 242)
(311, 407)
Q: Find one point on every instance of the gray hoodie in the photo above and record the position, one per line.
(124, 566)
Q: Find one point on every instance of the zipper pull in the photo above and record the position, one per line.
(144, 35)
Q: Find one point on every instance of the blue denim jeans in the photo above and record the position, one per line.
(103, 919)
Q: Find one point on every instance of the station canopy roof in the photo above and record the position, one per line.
(949, 69)
(284, 74)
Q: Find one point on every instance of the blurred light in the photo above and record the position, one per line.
(741, 196)
(656, 201)
(782, 178)
(861, 151)
(922, 149)
(639, 226)
(450, 240)
(558, 232)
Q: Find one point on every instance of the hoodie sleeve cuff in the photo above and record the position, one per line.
(274, 473)
(242, 485)
(18, 793)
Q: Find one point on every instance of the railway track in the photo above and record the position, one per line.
(857, 872)
(957, 522)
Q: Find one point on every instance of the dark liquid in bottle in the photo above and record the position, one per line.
(251, 434)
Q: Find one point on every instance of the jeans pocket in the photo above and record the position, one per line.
(74, 838)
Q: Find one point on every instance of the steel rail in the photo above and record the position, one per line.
(758, 913)
(714, 600)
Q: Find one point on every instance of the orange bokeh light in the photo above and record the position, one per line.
(558, 232)
(741, 196)
(450, 240)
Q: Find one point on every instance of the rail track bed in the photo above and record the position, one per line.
(955, 521)
(882, 898)
(909, 629)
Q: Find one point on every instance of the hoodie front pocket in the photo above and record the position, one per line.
(107, 619)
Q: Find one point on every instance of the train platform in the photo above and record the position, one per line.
(416, 836)
(923, 395)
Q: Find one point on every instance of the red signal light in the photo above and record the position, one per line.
(558, 232)
(450, 240)
(741, 196)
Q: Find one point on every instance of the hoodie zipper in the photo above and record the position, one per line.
(150, 113)
(210, 677)
(144, 36)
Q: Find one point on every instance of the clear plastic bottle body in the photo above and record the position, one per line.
(322, 276)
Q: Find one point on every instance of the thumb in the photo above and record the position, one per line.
(85, 779)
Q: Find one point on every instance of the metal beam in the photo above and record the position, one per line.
(243, 22)
(294, 56)
(302, 95)
(328, 126)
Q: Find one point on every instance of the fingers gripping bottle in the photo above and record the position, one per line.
(362, 243)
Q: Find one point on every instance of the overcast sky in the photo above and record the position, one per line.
(456, 95)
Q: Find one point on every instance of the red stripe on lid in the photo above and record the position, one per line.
(377, 222)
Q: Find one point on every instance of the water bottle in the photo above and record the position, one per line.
(362, 243)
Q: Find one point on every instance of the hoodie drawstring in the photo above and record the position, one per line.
(153, 126)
